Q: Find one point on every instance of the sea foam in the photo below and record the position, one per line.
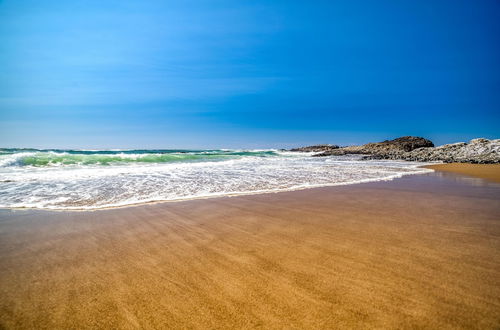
(75, 179)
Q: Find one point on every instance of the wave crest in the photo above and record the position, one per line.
(72, 157)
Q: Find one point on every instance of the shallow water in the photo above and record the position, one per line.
(90, 179)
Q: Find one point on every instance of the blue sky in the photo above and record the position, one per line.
(195, 74)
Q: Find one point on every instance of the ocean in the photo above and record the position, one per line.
(92, 179)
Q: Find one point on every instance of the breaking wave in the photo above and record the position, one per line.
(93, 179)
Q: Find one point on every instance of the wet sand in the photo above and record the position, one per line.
(485, 171)
(422, 251)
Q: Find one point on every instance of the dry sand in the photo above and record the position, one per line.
(486, 171)
(422, 251)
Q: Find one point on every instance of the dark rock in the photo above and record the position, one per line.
(316, 148)
(333, 152)
(405, 144)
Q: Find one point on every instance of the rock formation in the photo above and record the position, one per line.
(412, 148)
(402, 144)
(481, 151)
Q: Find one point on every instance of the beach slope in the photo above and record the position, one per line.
(417, 252)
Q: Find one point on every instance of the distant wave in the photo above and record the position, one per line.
(57, 157)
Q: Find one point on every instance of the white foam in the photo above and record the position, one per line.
(91, 187)
(11, 159)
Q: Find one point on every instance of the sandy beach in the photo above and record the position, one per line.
(249, 165)
(422, 251)
(489, 172)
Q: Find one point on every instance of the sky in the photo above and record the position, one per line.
(246, 74)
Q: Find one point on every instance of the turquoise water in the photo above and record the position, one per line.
(54, 157)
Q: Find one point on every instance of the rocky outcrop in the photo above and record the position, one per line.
(402, 144)
(316, 148)
(482, 151)
(405, 143)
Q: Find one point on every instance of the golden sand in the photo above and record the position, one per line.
(417, 252)
(485, 171)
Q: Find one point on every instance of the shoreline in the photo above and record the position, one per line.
(229, 195)
(489, 172)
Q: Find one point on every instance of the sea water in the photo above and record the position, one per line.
(92, 179)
